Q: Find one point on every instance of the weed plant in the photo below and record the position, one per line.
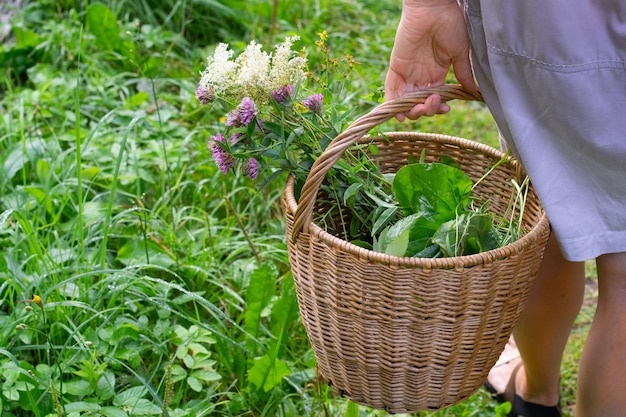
(135, 279)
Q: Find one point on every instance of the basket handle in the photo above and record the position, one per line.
(353, 133)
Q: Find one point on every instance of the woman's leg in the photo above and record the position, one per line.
(602, 373)
(544, 327)
(543, 330)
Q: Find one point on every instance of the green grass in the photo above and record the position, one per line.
(166, 286)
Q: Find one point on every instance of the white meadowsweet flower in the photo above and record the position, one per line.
(254, 68)
(286, 69)
(254, 73)
(219, 75)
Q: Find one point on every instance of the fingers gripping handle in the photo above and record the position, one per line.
(353, 133)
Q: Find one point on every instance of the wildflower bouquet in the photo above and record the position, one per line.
(275, 123)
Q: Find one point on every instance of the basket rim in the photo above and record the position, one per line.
(456, 262)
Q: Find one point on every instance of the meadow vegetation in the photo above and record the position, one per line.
(135, 278)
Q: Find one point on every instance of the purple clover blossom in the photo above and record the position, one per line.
(205, 95)
(283, 94)
(247, 111)
(225, 161)
(251, 168)
(314, 103)
(233, 119)
(235, 138)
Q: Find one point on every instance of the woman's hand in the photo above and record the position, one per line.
(431, 37)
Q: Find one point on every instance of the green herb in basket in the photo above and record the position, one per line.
(280, 117)
(439, 216)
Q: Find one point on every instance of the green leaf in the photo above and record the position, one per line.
(43, 171)
(126, 330)
(435, 189)
(25, 38)
(206, 375)
(136, 252)
(396, 243)
(112, 412)
(105, 389)
(284, 312)
(267, 372)
(349, 196)
(194, 383)
(384, 219)
(144, 407)
(79, 387)
(102, 23)
(137, 100)
(130, 396)
(258, 295)
(409, 235)
(352, 409)
(81, 407)
(468, 234)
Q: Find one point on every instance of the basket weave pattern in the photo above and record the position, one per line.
(411, 334)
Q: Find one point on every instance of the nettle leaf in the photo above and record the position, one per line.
(435, 189)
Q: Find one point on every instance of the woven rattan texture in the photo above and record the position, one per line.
(402, 334)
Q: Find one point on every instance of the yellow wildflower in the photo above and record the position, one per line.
(37, 300)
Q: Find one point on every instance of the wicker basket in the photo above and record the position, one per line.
(407, 334)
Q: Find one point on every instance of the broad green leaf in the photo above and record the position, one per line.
(25, 38)
(81, 407)
(435, 189)
(129, 396)
(112, 412)
(178, 373)
(206, 375)
(398, 243)
(194, 383)
(267, 372)
(102, 23)
(284, 312)
(260, 291)
(144, 407)
(105, 389)
(79, 387)
(126, 330)
(352, 409)
(409, 235)
(197, 348)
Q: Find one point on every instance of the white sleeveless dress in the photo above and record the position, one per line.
(553, 73)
